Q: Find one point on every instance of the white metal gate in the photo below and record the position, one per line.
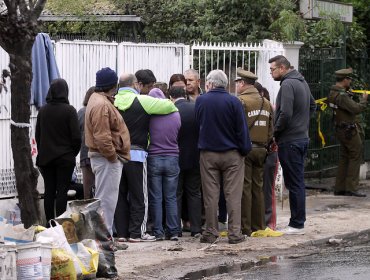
(229, 56)
(163, 59)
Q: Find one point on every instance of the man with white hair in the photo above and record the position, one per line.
(193, 89)
(223, 143)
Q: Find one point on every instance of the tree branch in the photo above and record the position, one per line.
(38, 7)
(11, 5)
(23, 8)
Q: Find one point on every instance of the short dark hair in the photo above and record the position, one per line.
(145, 76)
(280, 60)
(258, 86)
(89, 92)
(265, 93)
(177, 92)
(176, 78)
(262, 90)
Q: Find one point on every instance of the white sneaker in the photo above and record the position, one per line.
(148, 238)
(293, 231)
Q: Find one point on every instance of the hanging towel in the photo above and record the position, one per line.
(44, 69)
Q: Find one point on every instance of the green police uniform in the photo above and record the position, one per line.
(347, 132)
(259, 112)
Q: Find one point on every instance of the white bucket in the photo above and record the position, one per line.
(29, 265)
(8, 268)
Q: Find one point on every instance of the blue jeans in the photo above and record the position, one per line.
(163, 175)
(291, 156)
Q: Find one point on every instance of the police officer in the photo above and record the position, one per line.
(347, 132)
(259, 117)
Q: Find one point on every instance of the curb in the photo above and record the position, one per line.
(349, 236)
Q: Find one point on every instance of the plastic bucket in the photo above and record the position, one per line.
(46, 260)
(8, 268)
(29, 264)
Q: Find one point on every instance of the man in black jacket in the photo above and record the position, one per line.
(294, 107)
(189, 178)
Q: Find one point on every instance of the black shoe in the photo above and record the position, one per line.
(196, 234)
(339, 193)
(208, 239)
(355, 193)
(159, 238)
(174, 237)
(237, 240)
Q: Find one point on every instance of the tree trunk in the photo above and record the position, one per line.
(18, 29)
(25, 173)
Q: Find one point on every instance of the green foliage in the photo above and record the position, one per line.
(201, 20)
(276, 6)
(288, 27)
(234, 21)
(166, 19)
(361, 11)
(327, 32)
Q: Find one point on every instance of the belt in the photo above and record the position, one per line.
(258, 145)
(343, 125)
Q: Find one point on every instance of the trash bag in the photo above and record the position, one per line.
(89, 224)
(56, 236)
(88, 258)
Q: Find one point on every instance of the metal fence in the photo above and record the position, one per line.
(229, 56)
(318, 67)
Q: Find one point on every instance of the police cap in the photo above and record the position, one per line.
(344, 73)
(241, 73)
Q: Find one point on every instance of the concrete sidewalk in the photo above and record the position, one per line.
(328, 216)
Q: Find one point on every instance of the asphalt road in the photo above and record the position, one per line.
(339, 263)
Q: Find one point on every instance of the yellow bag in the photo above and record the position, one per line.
(62, 265)
(266, 233)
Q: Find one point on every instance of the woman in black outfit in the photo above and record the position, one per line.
(58, 142)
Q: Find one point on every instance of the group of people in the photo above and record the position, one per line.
(159, 158)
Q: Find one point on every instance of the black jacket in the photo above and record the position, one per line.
(57, 129)
(188, 135)
(294, 107)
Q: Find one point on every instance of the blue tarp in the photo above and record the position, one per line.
(44, 69)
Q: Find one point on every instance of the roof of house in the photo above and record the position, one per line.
(89, 17)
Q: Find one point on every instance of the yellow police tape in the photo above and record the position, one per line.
(361, 91)
(323, 105)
